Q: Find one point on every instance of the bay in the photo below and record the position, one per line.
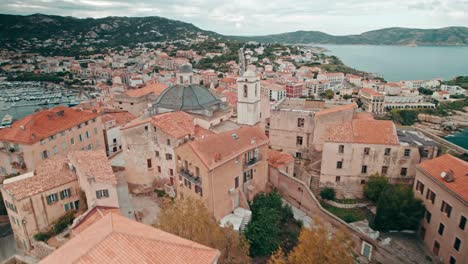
(397, 63)
(459, 138)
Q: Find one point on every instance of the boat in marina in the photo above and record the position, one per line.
(73, 103)
(7, 120)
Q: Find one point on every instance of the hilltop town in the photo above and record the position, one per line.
(206, 150)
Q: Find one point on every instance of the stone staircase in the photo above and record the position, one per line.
(245, 220)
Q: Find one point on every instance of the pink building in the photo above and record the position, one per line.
(47, 133)
(442, 185)
(35, 200)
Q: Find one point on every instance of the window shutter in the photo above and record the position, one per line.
(98, 194)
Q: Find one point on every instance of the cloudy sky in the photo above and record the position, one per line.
(260, 17)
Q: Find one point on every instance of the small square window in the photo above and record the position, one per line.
(300, 122)
(441, 229)
(456, 244)
(337, 179)
(366, 151)
(403, 171)
(384, 170)
(462, 223)
(452, 260)
(339, 164)
(341, 149)
(364, 169)
(407, 152)
(428, 216)
(387, 151)
(236, 182)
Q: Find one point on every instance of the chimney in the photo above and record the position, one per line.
(22, 127)
(447, 176)
(61, 113)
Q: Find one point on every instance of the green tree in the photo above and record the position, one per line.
(329, 94)
(397, 209)
(328, 193)
(405, 117)
(272, 225)
(374, 187)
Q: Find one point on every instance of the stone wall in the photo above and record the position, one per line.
(296, 193)
(40, 249)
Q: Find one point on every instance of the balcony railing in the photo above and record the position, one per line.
(252, 161)
(189, 176)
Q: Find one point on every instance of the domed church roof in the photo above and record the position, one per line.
(186, 97)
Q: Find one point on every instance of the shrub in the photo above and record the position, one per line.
(328, 193)
(63, 222)
(160, 193)
(43, 236)
(397, 209)
(374, 187)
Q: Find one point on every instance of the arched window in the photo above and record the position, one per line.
(181, 79)
(246, 93)
(256, 90)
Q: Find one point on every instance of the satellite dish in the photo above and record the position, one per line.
(443, 174)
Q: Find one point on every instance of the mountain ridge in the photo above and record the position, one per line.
(116, 31)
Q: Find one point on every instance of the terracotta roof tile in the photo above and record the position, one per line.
(176, 124)
(371, 92)
(225, 146)
(116, 239)
(364, 131)
(94, 164)
(151, 87)
(121, 117)
(45, 123)
(277, 158)
(445, 163)
(92, 216)
(49, 174)
(336, 109)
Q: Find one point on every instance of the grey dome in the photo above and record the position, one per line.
(186, 68)
(186, 98)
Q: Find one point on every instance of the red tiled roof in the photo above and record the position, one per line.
(116, 239)
(371, 92)
(176, 124)
(94, 164)
(225, 147)
(49, 174)
(336, 109)
(363, 131)
(45, 123)
(91, 217)
(151, 87)
(445, 163)
(278, 158)
(120, 117)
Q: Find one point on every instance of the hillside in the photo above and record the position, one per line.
(450, 36)
(57, 35)
(44, 33)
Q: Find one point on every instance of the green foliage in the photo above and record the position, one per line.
(160, 193)
(2, 206)
(272, 225)
(60, 225)
(374, 187)
(31, 77)
(397, 209)
(405, 117)
(457, 96)
(43, 236)
(425, 91)
(348, 215)
(63, 222)
(328, 94)
(347, 96)
(328, 193)
(461, 81)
